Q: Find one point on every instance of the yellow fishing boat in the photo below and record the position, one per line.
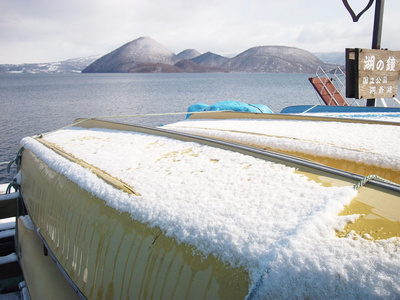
(113, 211)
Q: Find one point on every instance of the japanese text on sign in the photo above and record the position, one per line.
(378, 73)
(369, 63)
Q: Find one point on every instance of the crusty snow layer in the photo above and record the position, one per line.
(371, 144)
(248, 212)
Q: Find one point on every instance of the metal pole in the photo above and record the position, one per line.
(377, 33)
(376, 38)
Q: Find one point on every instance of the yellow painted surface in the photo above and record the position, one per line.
(109, 255)
(350, 166)
(379, 215)
(379, 209)
(245, 115)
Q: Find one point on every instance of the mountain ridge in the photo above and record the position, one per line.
(261, 59)
(148, 56)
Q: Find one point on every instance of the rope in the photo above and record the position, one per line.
(151, 115)
(122, 116)
(255, 107)
(309, 109)
(50, 132)
(13, 185)
(16, 160)
(363, 181)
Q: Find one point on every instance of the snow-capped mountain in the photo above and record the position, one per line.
(145, 55)
(74, 65)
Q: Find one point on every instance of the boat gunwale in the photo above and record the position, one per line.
(284, 116)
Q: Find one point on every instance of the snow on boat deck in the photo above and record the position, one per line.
(372, 144)
(265, 217)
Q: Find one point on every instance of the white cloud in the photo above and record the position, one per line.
(47, 30)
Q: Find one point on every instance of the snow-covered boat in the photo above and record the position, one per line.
(361, 146)
(135, 212)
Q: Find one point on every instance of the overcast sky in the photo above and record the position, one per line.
(50, 30)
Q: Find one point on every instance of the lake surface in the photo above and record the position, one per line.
(32, 104)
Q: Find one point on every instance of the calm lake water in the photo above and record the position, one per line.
(32, 104)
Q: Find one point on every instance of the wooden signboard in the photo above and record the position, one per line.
(372, 73)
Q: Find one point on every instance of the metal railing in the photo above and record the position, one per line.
(337, 81)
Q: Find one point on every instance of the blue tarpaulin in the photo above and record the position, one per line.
(230, 105)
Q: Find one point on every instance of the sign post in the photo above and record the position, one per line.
(372, 73)
(377, 33)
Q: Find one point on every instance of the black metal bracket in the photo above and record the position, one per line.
(353, 15)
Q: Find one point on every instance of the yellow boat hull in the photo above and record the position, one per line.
(105, 254)
(108, 255)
